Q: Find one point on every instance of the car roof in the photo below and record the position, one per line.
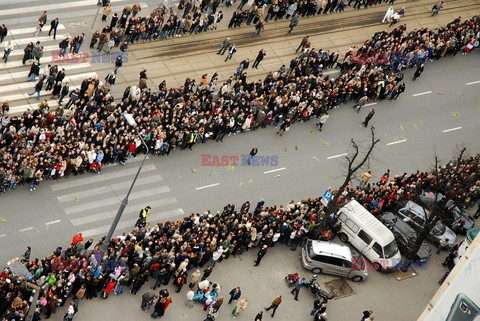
(333, 249)
(416, 209)
(368, 221)
(400, 225)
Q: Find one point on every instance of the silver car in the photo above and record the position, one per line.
(333, 258)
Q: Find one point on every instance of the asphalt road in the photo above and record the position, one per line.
(308, 163)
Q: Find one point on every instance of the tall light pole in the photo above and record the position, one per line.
(104, 247)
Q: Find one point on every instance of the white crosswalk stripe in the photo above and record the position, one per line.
(93, 200)
(11, 77)
(31, 30)
(49, 7)
(30, 85)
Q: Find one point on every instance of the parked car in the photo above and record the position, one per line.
(415, 215)
(454, 213)
(406, 237)
(333, 258)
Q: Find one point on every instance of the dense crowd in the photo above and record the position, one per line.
(90, 131)
(192, 17)
(177, 250)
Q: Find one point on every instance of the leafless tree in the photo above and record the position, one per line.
(354, 162)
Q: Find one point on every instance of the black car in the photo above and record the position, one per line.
(454, 213)
(458, 215)
(405, 237)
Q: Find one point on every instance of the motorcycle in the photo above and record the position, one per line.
(291, 279)
(316, 290)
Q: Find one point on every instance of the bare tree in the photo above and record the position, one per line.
(447, 184)
(354, 162)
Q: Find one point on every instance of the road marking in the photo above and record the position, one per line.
(336, 156)
(275, 170)
(100, 178)
(397, 142)
(115, 200)
(26, 229)
(371, 104)
(3, 235)
(451, 129)
(316, 159)
(16, 32)
(128, 224)
(52, 222)
(420, 94)
(207, 186)
(129, 211)
(472, 83)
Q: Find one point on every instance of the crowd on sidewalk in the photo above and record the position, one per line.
(178, 250)
(90, 130)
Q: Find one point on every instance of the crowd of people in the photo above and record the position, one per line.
(177, 250)
(90, 131)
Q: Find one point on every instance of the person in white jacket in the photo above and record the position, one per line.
(217, 255)
(388, 15)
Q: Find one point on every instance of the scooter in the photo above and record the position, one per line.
(316, 290)
(291, 279)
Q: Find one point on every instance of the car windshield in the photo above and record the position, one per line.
(390, 250)
(438, 229)
(310, 251)
(457, 213)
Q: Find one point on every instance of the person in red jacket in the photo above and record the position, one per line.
(109, 288)
(77, 238)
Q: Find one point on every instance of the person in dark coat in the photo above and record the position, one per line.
(260, 255)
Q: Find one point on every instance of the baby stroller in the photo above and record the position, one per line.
(211, 317)
(291, 279)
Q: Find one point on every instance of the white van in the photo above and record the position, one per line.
(368, 235)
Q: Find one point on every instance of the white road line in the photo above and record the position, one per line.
(19, 31)
(451, 129)
(275, 170)
(29, 85)
(22, 74)
(397, 142)
(424, 93)
(26, 229)
(371, 104)
(56, 6)
(128, 224)
(3, 235)
(107, 189)
(53, 222)
(111, 214)
(115, 200)
(207, 186)
(336, 156)
(98, 178)
(43, 93)
(472, 83)
(316, 159)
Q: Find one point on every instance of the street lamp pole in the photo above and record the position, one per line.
(123, 204)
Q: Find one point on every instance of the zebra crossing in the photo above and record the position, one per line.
(91, 202)
(20, 17)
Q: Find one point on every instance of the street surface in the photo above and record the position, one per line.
(436, 113)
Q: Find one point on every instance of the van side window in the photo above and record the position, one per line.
(336, 261)
(323, 259)
(365, 237)
(378, 249)
(347, 264)
(342, 217)
(354, 227)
